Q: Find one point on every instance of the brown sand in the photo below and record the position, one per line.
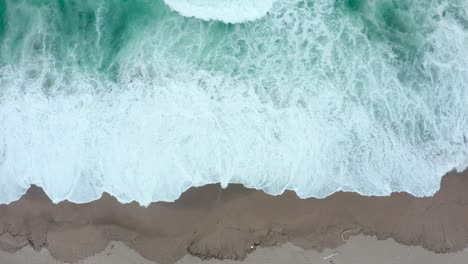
(358, 249)
(211, 222)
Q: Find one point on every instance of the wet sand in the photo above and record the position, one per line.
(209, 222)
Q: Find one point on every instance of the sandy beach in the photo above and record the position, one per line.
(358, 249)
(214, 223)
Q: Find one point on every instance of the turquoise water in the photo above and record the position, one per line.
(144, 101)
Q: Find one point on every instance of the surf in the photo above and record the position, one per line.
(143, 101)
(228, 11)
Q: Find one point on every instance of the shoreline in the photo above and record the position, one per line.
(211, 222)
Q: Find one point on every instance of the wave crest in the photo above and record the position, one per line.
(228, 11)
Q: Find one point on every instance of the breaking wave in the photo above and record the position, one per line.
(133, 99)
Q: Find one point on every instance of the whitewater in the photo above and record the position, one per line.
(144, 99)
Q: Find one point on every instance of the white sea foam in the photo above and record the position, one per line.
(329, 114)
(229, 11)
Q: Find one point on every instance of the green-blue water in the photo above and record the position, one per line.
(132, 98)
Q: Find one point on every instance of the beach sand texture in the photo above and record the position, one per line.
(358, 249)
(211, 222)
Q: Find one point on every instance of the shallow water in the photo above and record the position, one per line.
(132, 98)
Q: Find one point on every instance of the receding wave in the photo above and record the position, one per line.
(131, 98)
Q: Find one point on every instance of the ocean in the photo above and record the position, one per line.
(144, 99)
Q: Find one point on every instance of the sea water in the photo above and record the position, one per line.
(144, 99)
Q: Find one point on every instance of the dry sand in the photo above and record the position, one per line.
(358, 250)
(210, 222)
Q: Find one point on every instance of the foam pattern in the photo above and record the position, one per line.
(133, 99)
